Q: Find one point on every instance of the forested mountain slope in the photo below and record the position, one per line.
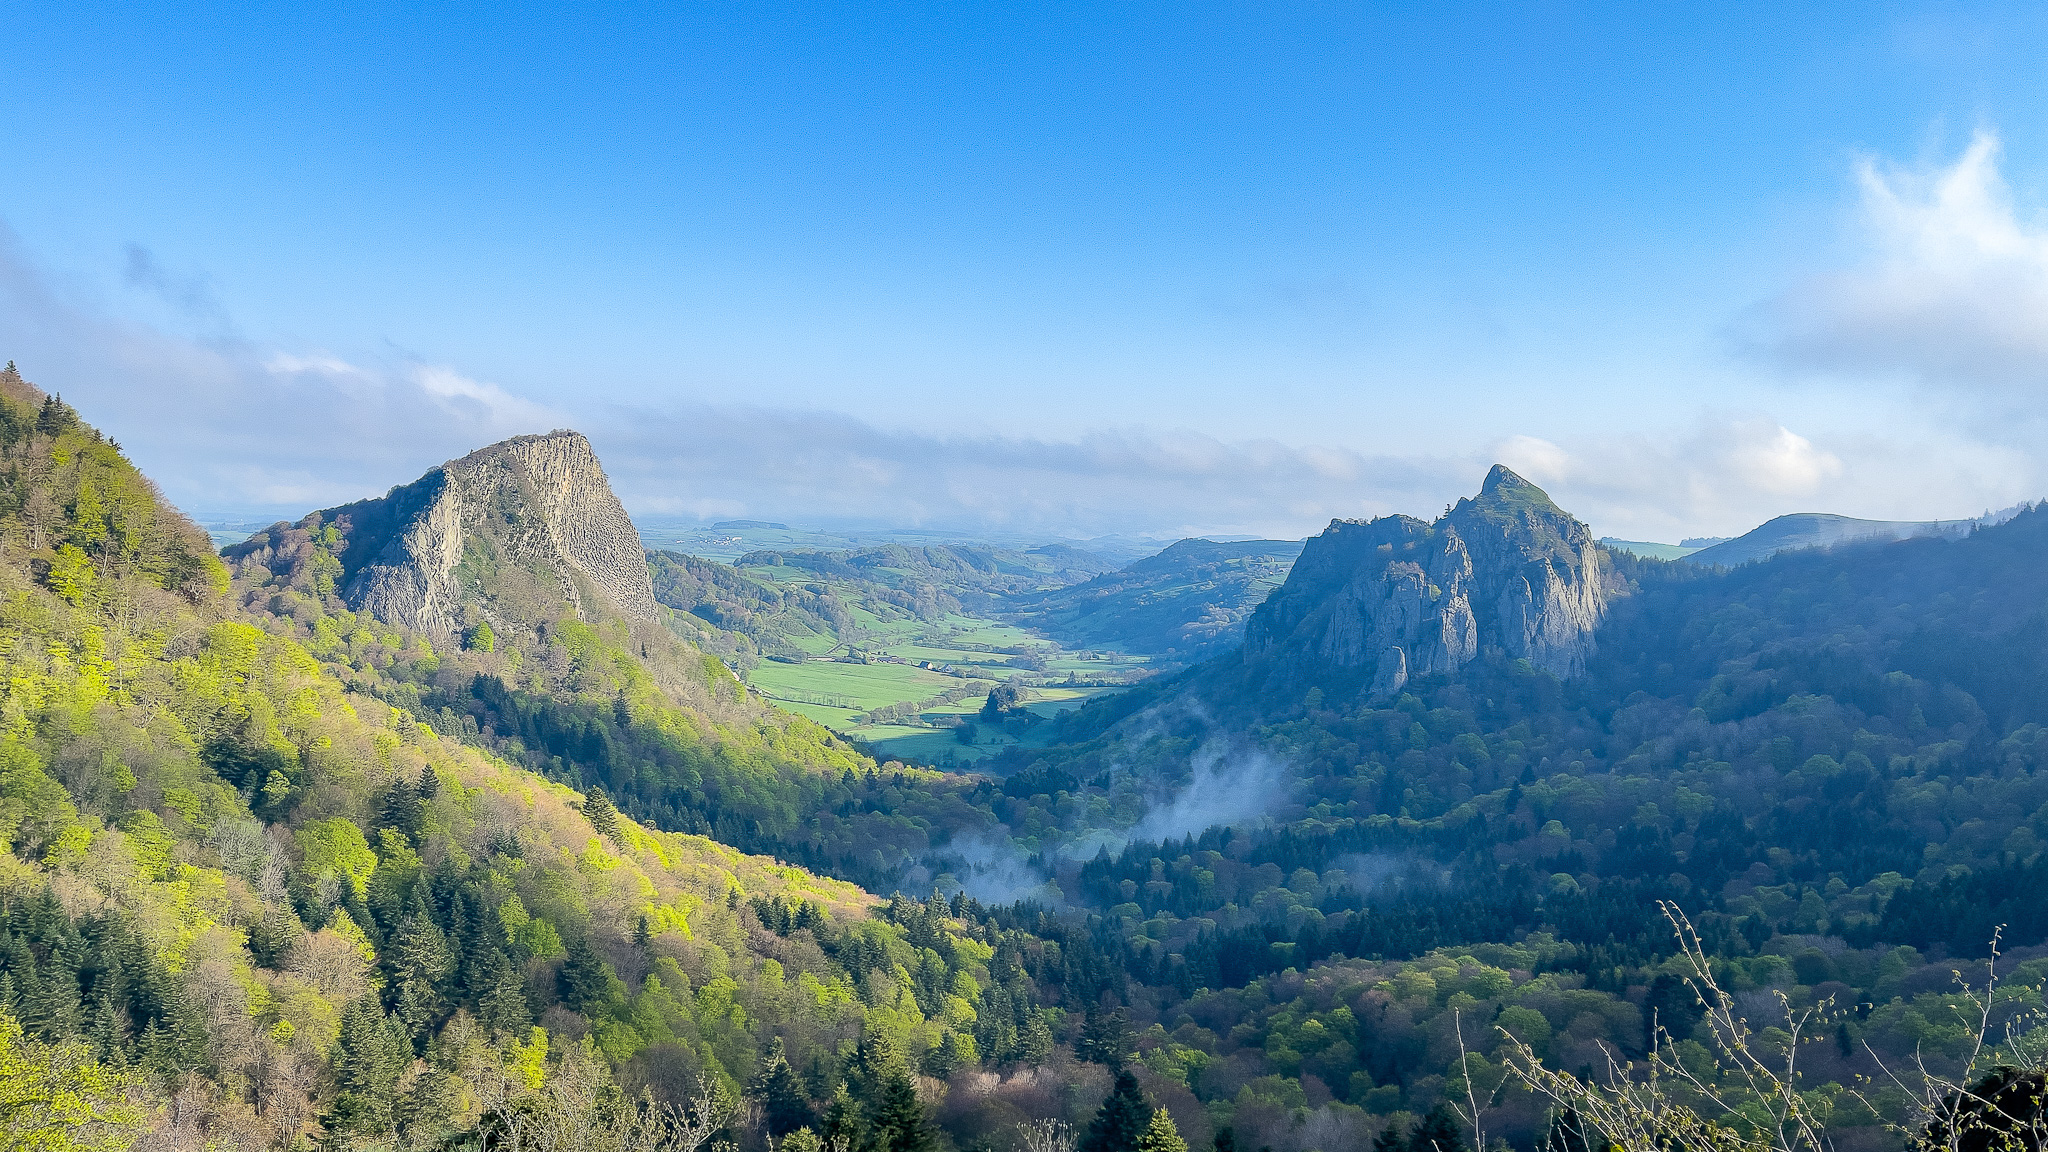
(1832, 762)
(1819, 530)
(244, 904)
(1805, 705)
(749, 618)
(939, 578)
(545, 659)
(248, 901)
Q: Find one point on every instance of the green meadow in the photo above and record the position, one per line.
(914, 662)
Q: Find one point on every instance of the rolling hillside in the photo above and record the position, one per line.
(1186, 603)
(264, 905)
(1818, 530)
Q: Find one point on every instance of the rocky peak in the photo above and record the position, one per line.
(1506, 571)
(509, 534)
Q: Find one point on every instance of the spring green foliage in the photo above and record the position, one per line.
(92, 524)
(232, 863)
(54, 1097)
(666, 730)
(743, 618)
(1161, 1135)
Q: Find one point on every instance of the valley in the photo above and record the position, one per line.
(1023, 578)
(910, 690)
(898, 646)
(397, 799)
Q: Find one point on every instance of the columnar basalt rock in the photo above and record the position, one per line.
(1506, 570)
(510, 533)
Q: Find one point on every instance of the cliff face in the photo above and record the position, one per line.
(507, 534)
(1506, 570)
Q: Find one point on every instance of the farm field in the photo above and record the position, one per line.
(889, 656)
(911, 666)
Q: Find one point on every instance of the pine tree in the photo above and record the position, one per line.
(503, 1009)
(844, 1127)
(597, 808)
(867, 1074)
(1389, 1140)
(1161, 1135)
(584, 980)
(50, 1008)
(1035, 1043)
(1122, 1121)
(420, 961)
(403, 810)
(784, 1107)
(369, 1058)
(1105, 1038)
(900, 1124)
(1226, 1139)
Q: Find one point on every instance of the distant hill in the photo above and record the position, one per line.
(1650, 550)
(806, 602)
(1818, 530)
(943, 577)
(727, 540)
(1184, 603)
(747, 617)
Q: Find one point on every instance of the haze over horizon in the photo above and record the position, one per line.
(1153, 270)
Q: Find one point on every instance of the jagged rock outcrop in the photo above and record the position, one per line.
(508, 534)
(1506, 570)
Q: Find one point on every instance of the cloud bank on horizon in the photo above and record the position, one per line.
(1950, 297)
(1952, 292)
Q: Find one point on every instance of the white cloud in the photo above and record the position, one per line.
(227, 423)
(813, 465)
(1727, 473)
(224, 423)
(1952, 289)
(487, 403)
(287, 364)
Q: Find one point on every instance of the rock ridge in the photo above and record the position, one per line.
(1504, 571)
(507, 534)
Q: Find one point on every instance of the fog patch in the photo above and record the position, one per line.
(1230, 785)
(993, 869)
(1372, 874)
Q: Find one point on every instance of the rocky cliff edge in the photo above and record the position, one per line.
(508, 534)
(1506, 570)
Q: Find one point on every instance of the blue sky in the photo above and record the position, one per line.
(1137, 267)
